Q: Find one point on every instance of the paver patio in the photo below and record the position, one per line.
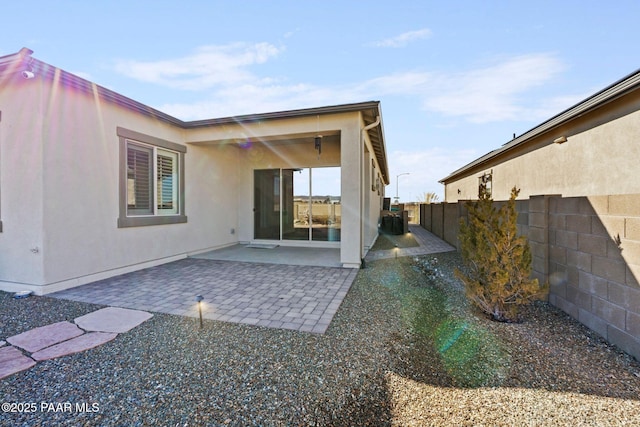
(298, 297)
(302, 298)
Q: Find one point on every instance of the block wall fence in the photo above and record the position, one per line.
(586, 248)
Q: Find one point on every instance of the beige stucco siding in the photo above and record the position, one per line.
(601, 156)
(372, 195)
(81, 187)
(61, 148)
(21, 183)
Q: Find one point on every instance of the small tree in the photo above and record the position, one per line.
(498, 261)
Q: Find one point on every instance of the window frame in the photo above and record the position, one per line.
(157, 216)
(485, 184)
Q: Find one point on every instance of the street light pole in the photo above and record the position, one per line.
(398, 176)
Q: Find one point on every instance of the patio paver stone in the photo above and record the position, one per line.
(75, 345)
(12, 360)
(45, 336)
(64, 338)
(112, 319)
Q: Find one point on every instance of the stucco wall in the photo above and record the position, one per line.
(81, 184)
(372, 197)
(60, 184)
(60, 187)
(601, 156)
(21, 182)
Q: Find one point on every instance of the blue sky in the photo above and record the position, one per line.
(456, 78)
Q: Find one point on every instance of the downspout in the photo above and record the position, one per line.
(362, 138)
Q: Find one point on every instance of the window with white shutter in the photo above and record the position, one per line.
(139, 179)
(152, 183)
(166, 179)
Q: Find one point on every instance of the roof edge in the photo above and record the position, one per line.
(615, 90)
(247, 118)
(23, 57)
(83, 84)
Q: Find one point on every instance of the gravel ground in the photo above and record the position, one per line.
(404, 349)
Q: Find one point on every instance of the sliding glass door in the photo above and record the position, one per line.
(266, 204)
(326, 208)
(297, 204)
(295, 195)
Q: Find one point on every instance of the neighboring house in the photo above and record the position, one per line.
(592, 148)
(579, 207)
(94, 184)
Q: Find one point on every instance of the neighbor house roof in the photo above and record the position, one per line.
(23, 61)
(610, 93)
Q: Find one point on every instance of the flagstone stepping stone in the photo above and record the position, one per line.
(12, 360)
(75, 345)
(2, 343)
(45, 336)
(112, 319)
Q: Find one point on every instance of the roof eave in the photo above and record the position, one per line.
(279, 115)
(17, 61)
(612, 92)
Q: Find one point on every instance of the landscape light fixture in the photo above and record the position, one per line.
(199, 299)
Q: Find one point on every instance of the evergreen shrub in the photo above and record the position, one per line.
(497, 260)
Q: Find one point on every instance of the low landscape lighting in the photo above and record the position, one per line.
(199, 299)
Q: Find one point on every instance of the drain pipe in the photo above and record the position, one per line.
(362, 226)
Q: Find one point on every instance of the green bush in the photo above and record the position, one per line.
(497, 260)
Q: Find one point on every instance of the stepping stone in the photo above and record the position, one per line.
(75, 345)
(112, 319)
(45, 336)
(2, 343)
(12, 360)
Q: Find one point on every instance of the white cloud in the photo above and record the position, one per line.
(497, 92)
(255, 97)
(426, 167)
(207, 67)
(404, 38)
(493, 93)
(405, 83)
(230, 82)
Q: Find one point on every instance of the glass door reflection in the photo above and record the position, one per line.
(296, 215)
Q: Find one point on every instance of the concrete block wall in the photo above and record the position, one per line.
(443, 219)
(425, 216)
(586, 248)
(594, 264)
(538, 234)
(451, 224)
(437, 219)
